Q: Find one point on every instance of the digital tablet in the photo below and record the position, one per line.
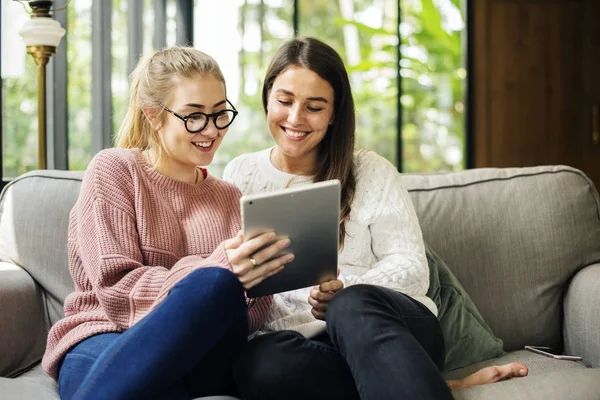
(309, 215)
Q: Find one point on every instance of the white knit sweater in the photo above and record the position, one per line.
(383, 244)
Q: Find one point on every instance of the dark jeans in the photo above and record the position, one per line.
(379, 345)
(184, 348)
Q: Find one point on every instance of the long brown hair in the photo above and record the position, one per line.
(152, 87)
(336, 151)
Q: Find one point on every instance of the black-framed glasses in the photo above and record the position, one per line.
(197, 121)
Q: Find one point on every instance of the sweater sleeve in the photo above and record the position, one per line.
(107, 242)
(396, 242)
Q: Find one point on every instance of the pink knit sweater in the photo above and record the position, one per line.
(133, 234)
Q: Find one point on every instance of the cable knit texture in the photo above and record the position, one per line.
(133, 234)
(383, 244)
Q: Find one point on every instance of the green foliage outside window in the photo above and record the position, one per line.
(249, 133)
(432, 70)
(362, 32)
(79, 84)
(19, 122)
(433, 85)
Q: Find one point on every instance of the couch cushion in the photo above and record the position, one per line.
(468, 337)
(537, 364)
(580, 384)
(32, 385)
(513, 238)
(548, 379)
(34, 218)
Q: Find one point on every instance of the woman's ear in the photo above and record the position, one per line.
(331, 120)
(151, 115)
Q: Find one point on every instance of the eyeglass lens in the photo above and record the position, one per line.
(197, 122)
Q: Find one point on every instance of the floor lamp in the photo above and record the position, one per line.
(41, 35)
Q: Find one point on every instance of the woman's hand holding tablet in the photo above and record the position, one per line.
(255, 260)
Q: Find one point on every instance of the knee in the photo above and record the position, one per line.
(350, 304)
(215, 278)
(216, 285)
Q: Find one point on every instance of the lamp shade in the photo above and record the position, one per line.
(42, 31)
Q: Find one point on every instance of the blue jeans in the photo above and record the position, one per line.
(379, 344)
(184, 348)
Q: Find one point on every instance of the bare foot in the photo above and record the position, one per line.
(492, 374)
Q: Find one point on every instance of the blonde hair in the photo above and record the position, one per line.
(152, 87)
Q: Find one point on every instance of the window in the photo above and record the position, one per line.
(433, 85)
(427, 83)
(149, 27)
(364, 33)
(432, 70)
(19, 96)
(119, 68)
(251, 32)
(79, 83)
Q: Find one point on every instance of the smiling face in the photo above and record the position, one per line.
(183, 151)
(299, 111)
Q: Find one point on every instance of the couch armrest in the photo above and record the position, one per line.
(582, 316)
(23, 320)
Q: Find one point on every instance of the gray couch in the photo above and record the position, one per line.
(524, 243)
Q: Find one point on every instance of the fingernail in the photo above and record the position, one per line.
(522, 372)
(289, 258)
(285, 243)
(271, 235)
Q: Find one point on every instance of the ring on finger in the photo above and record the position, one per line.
(252, 261)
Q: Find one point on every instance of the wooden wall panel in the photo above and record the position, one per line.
(587, 157)
(528, 81)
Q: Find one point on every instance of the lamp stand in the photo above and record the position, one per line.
(41, 55)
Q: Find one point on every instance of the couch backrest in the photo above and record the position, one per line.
(34, 218)
(514, 238)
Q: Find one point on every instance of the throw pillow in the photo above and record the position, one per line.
(469, 339)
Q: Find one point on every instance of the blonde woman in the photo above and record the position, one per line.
(160, 270)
